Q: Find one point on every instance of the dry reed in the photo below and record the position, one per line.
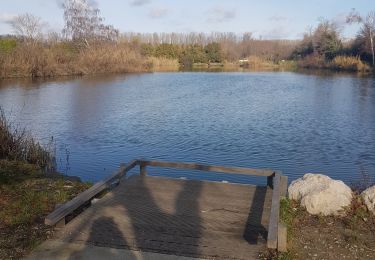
(16, 144)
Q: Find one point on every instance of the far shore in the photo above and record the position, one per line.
(287, 66)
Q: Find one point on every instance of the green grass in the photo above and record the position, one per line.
(27, 195)
(289, 212)
(7, 45)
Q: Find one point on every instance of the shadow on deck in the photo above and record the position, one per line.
(175, 217)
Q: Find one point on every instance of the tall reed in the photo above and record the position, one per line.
(40, 59)
(17, 144)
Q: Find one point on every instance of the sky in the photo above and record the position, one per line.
(268, 19)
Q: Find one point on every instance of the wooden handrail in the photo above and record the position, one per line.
(275, 180)
(61, 212)
(203, 167)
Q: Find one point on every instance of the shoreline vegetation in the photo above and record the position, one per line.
(86, 46)
(29, 190)
(40, 60)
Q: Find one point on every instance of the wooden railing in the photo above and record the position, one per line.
(276, 232)
(58, 216)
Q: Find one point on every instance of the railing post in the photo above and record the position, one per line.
(273, 225)
(270, 181)
(142, 169)
(283, 185)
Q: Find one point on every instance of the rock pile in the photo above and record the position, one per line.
(368, 197)
(320, 194)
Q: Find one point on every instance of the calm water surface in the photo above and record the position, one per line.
(287, 121)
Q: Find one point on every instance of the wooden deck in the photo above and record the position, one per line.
(179, 217)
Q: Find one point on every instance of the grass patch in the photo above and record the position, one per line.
(348, 63)
(26, 197)
(289, 212)
(327, 237)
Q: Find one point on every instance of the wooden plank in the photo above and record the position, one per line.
(178, 217)
(282, 238)
(283, 185)
(142, 169)
(88, 194)
(127, 167)
(274, 215)
(213, 168)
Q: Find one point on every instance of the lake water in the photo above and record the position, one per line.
(296, 123)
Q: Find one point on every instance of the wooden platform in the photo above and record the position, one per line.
(178, 217)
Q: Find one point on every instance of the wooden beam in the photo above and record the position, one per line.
(142, 169)
(213, 168)
(270, 181)
(283, 185)
(274, 215)
(67, 208)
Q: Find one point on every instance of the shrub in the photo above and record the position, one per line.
(349, 63)
(17, 144)
(255, 62)
(163, 64)
(312, 62)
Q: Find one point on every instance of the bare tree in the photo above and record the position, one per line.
(28, 26)
(368, 28)
(83, 22)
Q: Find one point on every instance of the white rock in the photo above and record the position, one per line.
(320, 194)
(369, 198)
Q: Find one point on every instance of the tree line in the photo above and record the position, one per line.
(85, 31)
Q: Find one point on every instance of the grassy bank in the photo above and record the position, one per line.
(16, 144)
(339, 63)
(51, 59)
(28, 192)
(350, 236)
(27, 195)
(29, 58)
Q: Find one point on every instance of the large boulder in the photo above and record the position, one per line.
(320, 194)
(368, 197)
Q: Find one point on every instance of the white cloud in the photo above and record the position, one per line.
(158, 13)
(139, 2)
(277, 18)
(6, 17)
(279, 32)
(220, 14)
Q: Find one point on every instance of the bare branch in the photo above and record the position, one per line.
(28, 26)
(83, 21)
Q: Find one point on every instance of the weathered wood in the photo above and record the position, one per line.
(274, 216)
(275, 179)
(213, 168)
(270, 181)
(142, 168)
(87, 195)
(283, 185)
(282, 238)
(202, 219)
(61, 223)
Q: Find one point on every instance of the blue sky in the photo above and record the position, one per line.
(286, 19)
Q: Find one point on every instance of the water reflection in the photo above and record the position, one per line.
(294, 122)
